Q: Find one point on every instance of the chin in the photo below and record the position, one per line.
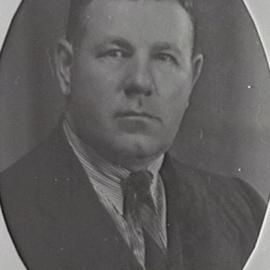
(141, 147)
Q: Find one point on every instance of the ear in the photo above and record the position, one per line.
(63, 62)
(197, 64)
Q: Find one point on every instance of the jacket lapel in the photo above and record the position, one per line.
(175, 252)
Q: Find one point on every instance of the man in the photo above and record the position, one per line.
(101, 192)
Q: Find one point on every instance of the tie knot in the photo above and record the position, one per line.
(139, 182)
(136, 191)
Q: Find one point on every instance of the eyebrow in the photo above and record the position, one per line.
(114, 40)
(160, 46)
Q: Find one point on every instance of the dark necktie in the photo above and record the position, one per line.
(139, 204)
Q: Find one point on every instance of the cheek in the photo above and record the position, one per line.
(174, 94)
(96, 97)
(94, 86)
(174, 90)
(175, 83)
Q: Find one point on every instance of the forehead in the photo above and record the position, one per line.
(138, 21)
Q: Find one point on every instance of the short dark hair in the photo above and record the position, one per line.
(75, 29)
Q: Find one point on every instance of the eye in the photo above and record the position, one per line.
(115, 53)
(167, 58)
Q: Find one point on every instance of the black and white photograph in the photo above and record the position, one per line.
(134, 135)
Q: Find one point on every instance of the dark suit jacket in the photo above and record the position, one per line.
(57, 222)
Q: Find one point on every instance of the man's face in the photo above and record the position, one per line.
(131, 77)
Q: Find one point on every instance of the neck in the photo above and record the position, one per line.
(120, 162)
(137, 164)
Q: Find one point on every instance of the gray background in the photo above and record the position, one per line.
(226, 129)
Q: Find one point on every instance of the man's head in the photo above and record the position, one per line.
(128, 71)
(76, 28)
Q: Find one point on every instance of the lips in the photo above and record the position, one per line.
(137, 114)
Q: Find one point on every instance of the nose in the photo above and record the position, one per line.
(139, 79)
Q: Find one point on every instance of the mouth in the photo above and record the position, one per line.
(137, 115)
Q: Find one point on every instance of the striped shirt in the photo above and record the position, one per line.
(106, 181)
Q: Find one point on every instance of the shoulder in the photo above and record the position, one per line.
(218, 210)
(43, 178)
(232, 197)
(47, 160)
